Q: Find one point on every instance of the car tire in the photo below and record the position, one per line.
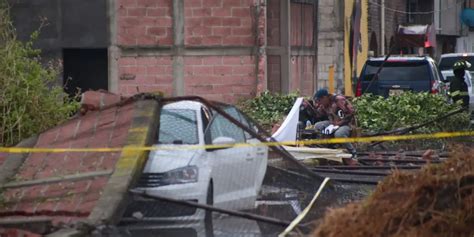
(208, 214)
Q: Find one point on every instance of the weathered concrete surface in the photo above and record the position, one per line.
(11, 162)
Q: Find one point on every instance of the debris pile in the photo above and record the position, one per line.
(436, 201)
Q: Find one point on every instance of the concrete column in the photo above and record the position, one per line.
(113, 50)
(178, 36)
(285, 32)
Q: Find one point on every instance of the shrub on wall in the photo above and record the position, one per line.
(29, 100)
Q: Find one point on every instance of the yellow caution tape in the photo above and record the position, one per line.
(300, 217)
(291, 143)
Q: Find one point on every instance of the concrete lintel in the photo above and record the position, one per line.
(188, 51)
(285, 31)
(178, 36)
(128, 168)
(13, 162)
(113, 51)
(70, 178)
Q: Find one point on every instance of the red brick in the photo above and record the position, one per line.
(240, 12)
(152, 70)
(165, 22)
(232, 60)
(221, 31)
(69, 204)
(212, 21)
(192, 61)
(231, 3)
(244, 70)
(222, 12)
(164, 80)
(28, 207)
(200, 31)
(202, 12)
(156, 11)
(212, 3)
(233, 21)
(200, 79)
(136, 11)
(46, 206)
(136, 31)
(223, 70)
(147, 3)
(146, 40)
(247, 41)
(160, 31)
(212, 40)
(98, 184)
(241, 31)
(192, 3)
(48, 137)
(212, 60)
(232, 40)
(128, 21)
(221, 89)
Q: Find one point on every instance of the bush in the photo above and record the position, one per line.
(269, 108)
(376, 114)
(28, 102)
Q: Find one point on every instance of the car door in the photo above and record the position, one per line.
(229, 166)
(259, 152)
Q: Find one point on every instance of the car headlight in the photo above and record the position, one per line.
(188, 174)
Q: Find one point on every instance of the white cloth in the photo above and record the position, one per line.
(330, 129)
(287, 131)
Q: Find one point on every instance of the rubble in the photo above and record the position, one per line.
(436, 201)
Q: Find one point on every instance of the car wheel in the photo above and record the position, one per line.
(208, 214)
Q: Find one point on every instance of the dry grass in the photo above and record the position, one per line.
(437, 201)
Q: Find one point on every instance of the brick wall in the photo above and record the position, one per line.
(219, 22)
(144, 22)
(145, 74)
(223, 78)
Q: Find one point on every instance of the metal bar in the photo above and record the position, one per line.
(355, 181)
(215, 209)
(351, 172)
(344, 167)
(398, 161)
(74, 177)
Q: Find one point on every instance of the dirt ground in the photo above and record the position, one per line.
(436, 201)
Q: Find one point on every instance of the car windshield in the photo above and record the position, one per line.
(178, 126)
(448, 62)
(398, 71)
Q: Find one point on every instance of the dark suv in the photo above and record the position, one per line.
(418, 74)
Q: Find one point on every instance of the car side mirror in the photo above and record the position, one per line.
(222, 143)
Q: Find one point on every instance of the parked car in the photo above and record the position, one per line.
(446, 63)
(418, 74)
(228, 178)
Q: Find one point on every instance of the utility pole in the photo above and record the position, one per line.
(382, 27)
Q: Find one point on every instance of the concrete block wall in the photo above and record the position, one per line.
(330, 42)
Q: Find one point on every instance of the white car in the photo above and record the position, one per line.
(228, 178)
(446, 63)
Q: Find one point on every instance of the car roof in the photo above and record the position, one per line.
(402, 58)
(185, 104)
(453, 55)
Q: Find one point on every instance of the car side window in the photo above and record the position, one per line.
(222, 127)
(246, 122)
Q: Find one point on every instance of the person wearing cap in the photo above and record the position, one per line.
(458, 89)
(339, 113)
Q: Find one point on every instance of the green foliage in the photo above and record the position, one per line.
(29, 100)
(269, 108)
(376, 114)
